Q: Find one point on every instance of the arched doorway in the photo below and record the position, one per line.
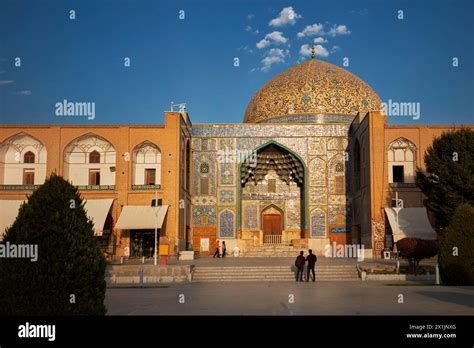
(272, 176)
(272, 225)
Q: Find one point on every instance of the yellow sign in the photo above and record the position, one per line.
(164, 250)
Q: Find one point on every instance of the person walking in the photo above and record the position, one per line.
(224, 249)
(312, 259)
(299, 263)
(217, 253)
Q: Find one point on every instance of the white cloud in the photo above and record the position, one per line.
(273, 56)
(263, 43)
(286, 16)
(5, 82)
(319, 40)
(311, 30)
(335, 49)
(245, 49)
(340, 29)
(305, 50)
(250, 16)
(275, 37)
(249, 29)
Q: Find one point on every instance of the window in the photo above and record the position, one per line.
(398, 174)
(94, 176)
(204, 219)
(401, 156)
(150, 176)
(204, 186)
(271, 185)
(94, 157)
(339, 167)
(29, 157)
(204, 168)
(28, 176)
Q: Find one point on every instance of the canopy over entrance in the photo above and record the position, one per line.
(412, 223)
(141, 217)
(97, 210)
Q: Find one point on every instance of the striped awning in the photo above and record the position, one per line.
(141, 217)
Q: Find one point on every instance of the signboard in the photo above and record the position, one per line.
(340, 230)
(204, 244)
(164, 249)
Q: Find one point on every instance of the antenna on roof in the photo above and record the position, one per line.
(181, 106)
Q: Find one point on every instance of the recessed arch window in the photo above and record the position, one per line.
(94, 157)
(29, 157)
(146, 164)
(401, 155)
(23, 160)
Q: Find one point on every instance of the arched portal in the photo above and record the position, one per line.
(272, 193)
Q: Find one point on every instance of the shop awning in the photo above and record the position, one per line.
(8, 212)
(140, 217)
(412, 223)
(97, 210)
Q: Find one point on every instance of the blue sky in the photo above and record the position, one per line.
(192, 59)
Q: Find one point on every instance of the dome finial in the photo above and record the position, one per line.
(312, 51)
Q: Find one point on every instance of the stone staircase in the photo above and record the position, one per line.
(271, 273)
(274, 251)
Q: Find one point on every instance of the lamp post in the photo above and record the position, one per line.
(156, 223)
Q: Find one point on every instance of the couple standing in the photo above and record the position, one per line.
(300, 263)
(220, 252)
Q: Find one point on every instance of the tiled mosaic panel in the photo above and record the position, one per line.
(318, 195)
(226, 224)
(199, 211)
(251, 220)
(273, 131)
(226, 196)
(227, 174)
(318, 223)
(335, 211)
(317, 146)
(317, 172)
(293, 214)
(208, 158)
(204, 200)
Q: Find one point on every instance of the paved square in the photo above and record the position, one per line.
(324, 298)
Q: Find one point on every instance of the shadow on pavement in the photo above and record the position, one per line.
(451, 297)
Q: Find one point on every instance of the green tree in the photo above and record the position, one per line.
(449, 177)
(68, 276)
(456, 257)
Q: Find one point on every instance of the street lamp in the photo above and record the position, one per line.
(156, 223)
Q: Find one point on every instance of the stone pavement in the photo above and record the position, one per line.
(325, 298)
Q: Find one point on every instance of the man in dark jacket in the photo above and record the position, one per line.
(311, 258)
(299, 263)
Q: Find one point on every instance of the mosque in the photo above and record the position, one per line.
(313, 163)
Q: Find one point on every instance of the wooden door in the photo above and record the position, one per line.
(272, 224)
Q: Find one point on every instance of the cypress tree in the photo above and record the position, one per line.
(68, 276)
